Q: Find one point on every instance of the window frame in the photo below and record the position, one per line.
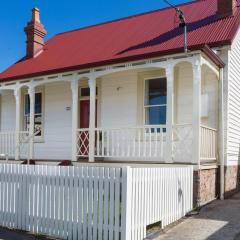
(80, 97)
(37, 139)
(148, 106)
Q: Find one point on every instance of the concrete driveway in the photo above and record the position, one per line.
(219, 220)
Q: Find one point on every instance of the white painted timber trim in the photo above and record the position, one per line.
(158, 62)
(17, 94)
(210, 65)
(31, 92)
(170, 82)
(74, 88)
(92, 117)
(196, 110)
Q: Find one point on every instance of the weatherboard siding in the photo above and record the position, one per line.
(8, 111)
(119, 100)
(56, 143)
(183, 94)
(57, 123)
(233, 150)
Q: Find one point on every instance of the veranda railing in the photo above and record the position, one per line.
(148, 142)
(208, 143)
(8, 146)
(131, 142)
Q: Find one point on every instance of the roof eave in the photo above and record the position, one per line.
(213, 56)
(124, 59)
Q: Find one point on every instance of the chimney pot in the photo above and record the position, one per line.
(35, 15)
(35, 33)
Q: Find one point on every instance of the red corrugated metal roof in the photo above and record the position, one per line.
(141, 36)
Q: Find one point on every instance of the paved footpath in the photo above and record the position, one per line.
(219, 220)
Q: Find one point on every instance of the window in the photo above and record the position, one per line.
(155, 101)
(85, 92)
(38, 114)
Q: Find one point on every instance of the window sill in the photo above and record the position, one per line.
(39, 140)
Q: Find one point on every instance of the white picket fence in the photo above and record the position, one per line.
(93, 203)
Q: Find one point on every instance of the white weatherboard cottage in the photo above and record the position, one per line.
(158, 105)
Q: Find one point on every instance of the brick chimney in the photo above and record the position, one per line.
(35, 33)
(226, 8)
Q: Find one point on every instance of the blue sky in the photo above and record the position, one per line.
(60, 16)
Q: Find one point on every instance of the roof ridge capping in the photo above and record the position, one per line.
(129, 17)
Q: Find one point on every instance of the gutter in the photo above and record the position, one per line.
(213, 56)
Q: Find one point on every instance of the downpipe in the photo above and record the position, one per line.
(221, 143)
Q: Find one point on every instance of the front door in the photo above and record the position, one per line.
(84, 113)
(84, 123)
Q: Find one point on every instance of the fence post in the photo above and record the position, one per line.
(126, 203)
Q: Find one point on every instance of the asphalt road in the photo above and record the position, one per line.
(12, 235)
(6, 234)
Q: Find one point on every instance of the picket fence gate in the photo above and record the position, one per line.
(93, 203)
